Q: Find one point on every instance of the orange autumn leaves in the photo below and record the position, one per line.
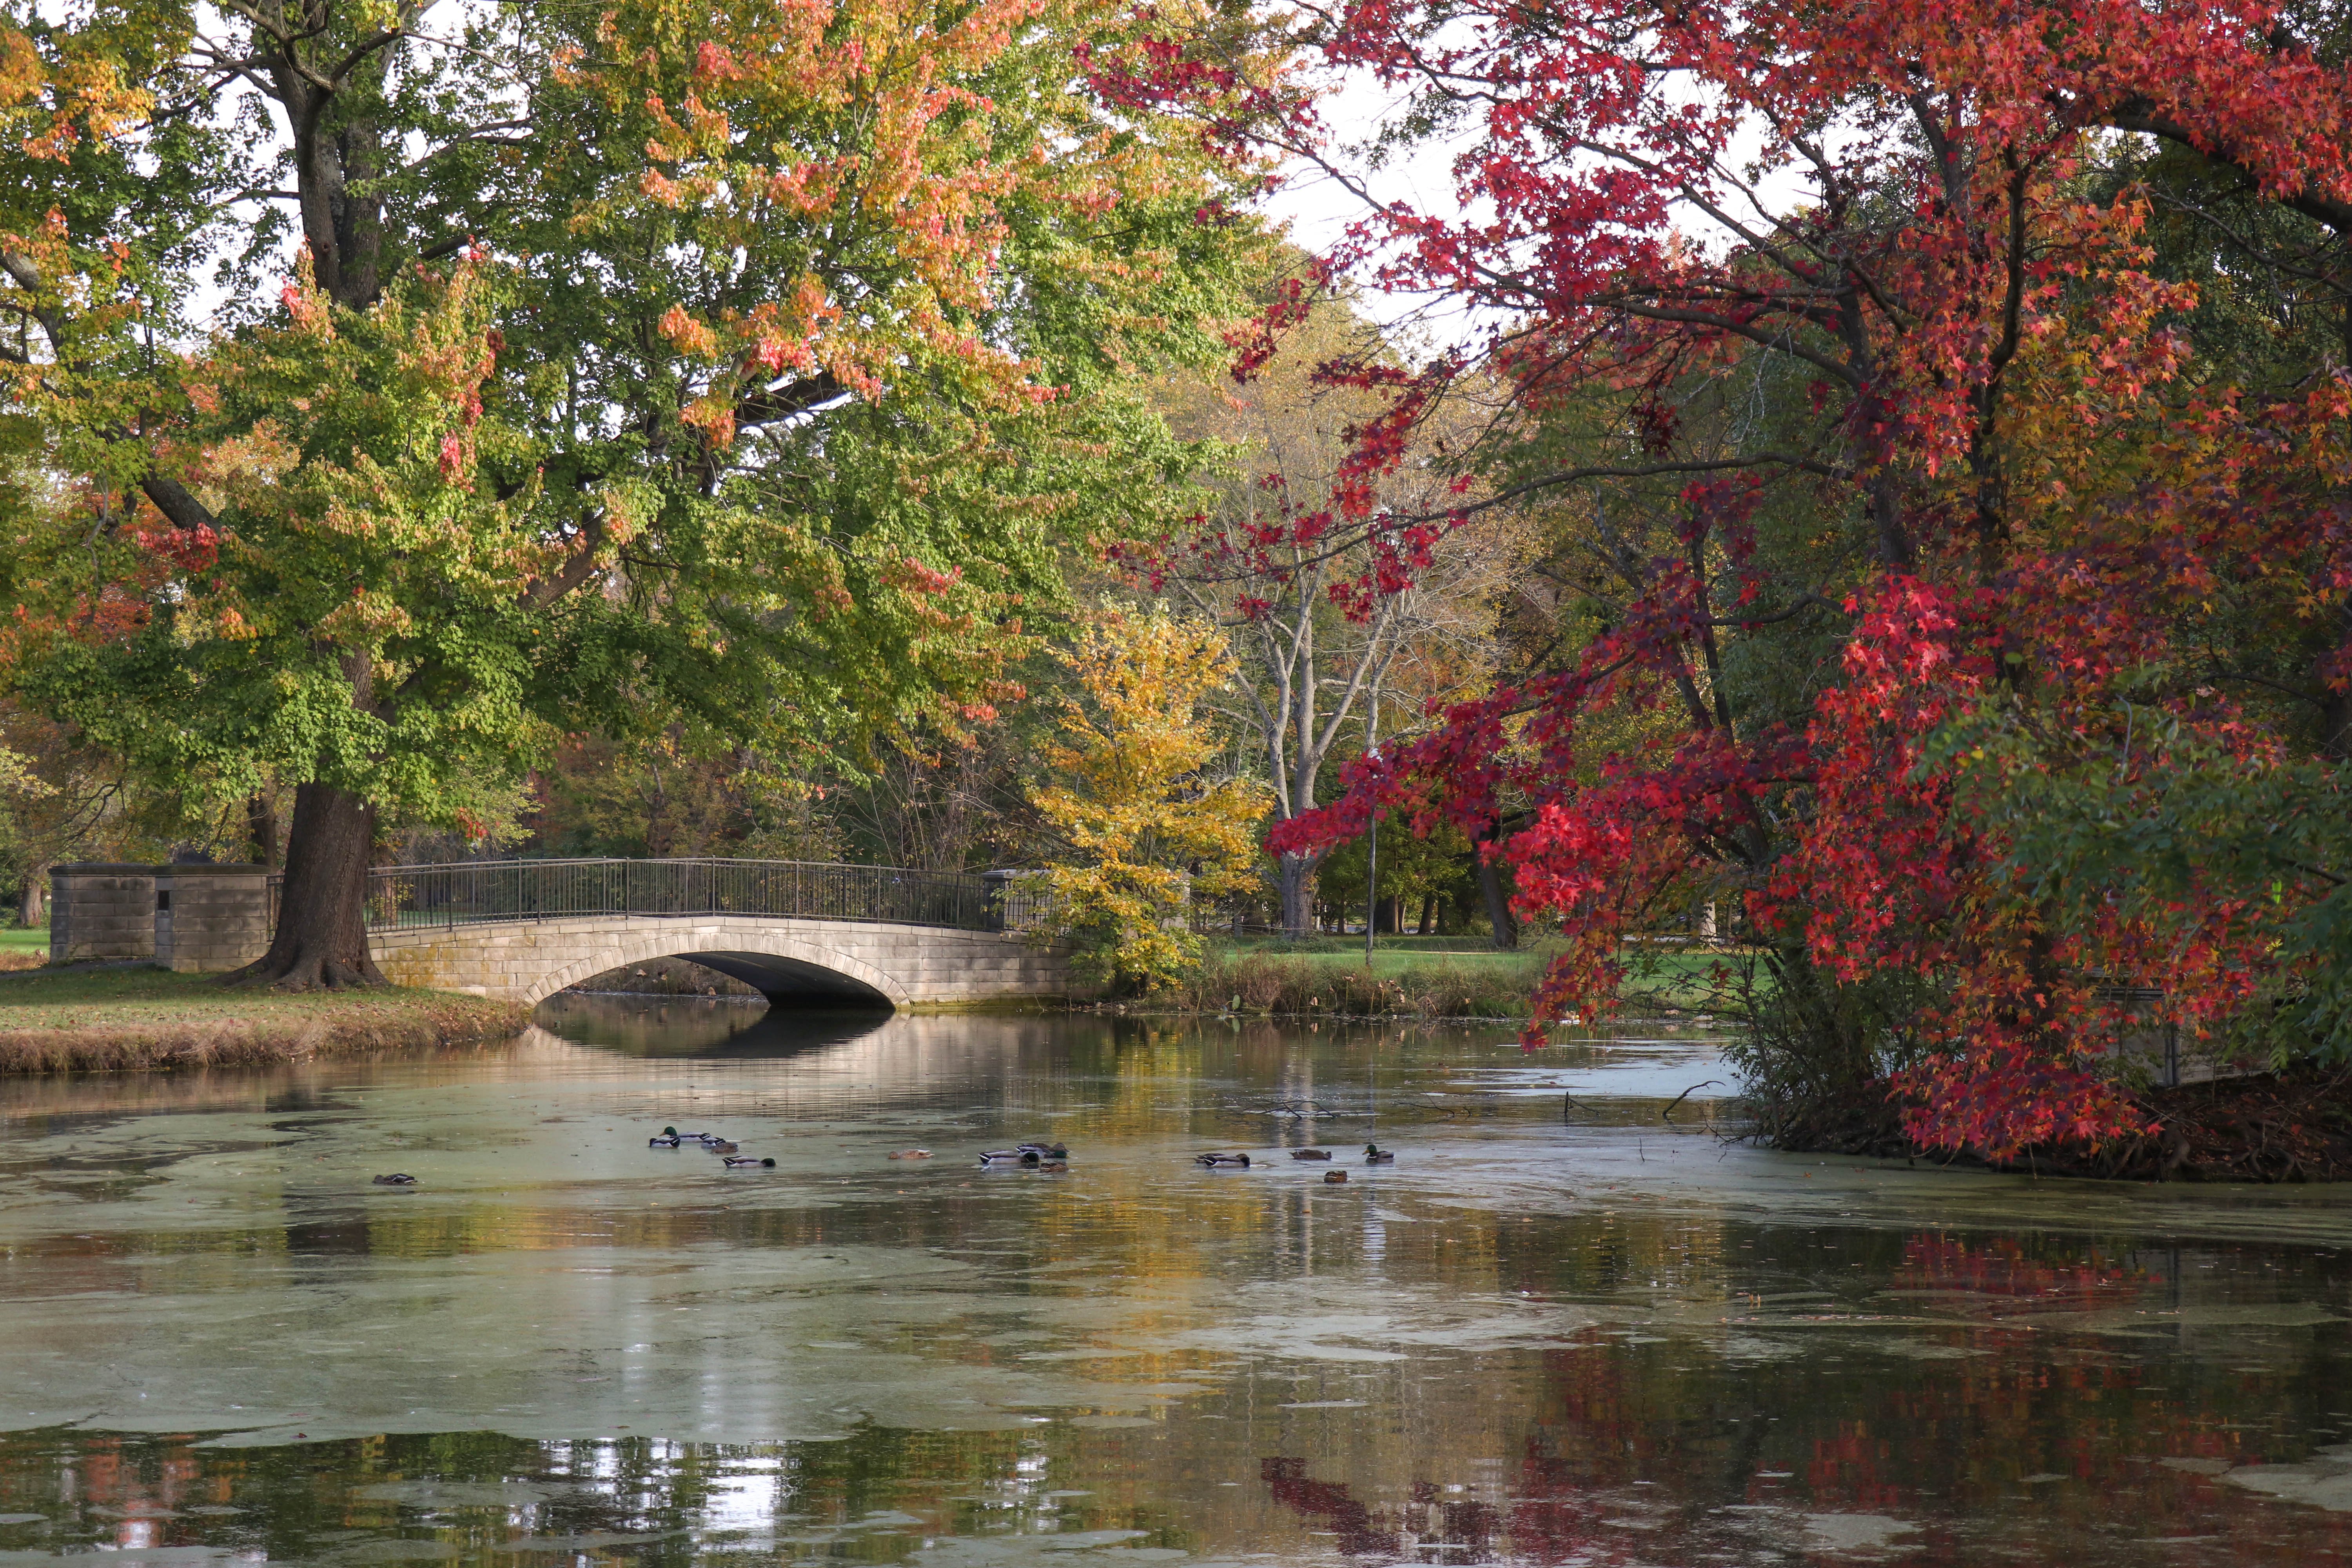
(868, 120)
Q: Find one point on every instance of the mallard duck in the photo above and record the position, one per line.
(1335, 1176)
(736, 1162)
(1376, 1155)
(1223, 1162)
(1010, 1157)
(706, 1138)
(720, 1146)
(1044, 1150)
(1053, 1164)
(397, 1179)
(911, 1154)
(667, 1138)
(1310, 1154)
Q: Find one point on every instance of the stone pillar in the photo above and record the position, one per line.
(101, 913)
(211, 918)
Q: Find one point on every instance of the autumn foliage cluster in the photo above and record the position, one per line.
(387, 396)
(1945, 405)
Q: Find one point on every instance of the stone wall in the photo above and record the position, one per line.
(211, 918)
(101, 913)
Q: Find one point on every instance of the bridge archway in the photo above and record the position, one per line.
(789, 970)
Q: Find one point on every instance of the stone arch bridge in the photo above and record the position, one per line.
(875, 936)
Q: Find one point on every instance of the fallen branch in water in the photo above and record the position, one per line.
(1668, 1113)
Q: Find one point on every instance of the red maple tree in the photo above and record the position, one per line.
(2026, 526)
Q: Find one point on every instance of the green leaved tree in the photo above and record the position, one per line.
(419, 387)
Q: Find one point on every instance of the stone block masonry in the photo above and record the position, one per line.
(905, 966)
(211, 918)
(101, 913)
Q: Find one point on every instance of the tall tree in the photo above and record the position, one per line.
(1324, 646)
(739, 368)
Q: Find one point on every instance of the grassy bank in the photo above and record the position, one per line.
(1418, 977)
(91, 1019)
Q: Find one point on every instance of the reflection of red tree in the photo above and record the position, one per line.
(2003, 1268)
(1556, 1511)
(1436, 1530)
(1360, 1535)
(1465, 1528)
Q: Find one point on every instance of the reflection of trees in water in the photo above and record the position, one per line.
(471, 1494)
(1955, 1427)
(1775, 1348)
(1431, 1528)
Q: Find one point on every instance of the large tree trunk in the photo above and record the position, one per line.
(1297, 881)
(321, 936)
(34, 907)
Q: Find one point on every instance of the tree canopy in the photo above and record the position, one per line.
(421, 384)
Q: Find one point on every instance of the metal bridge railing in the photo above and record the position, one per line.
(466, 893)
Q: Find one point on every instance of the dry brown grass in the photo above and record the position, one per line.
(1285, 985)
(90, 1020)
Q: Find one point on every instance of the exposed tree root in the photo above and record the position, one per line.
(307, 971)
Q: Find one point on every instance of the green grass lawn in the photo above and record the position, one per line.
(23, 939)
(1682, 980)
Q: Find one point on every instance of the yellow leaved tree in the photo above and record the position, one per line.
(1137, 822)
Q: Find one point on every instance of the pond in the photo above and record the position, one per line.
(1561, 1328)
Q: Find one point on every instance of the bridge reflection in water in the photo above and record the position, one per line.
(730, 1028)
(873, 936)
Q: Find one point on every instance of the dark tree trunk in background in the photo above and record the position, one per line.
(261, 830)
(1497, 896)
(321, 936)
(34, 908)
(1428, 913)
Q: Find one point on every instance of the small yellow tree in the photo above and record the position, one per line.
(1137, 824)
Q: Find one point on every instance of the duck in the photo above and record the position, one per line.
(705, 1138)
(911, 1154)
(1335, 1177)
(1010, 1157)
(1310, 1154)
(397, 1179)
(1223, 1162)
(736, 1162)
(1050, 1150)
(1053, 1164)
(720, 1146)
(667, 1138)
(1376, 1155)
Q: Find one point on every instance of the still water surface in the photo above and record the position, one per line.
(1559, 1329)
